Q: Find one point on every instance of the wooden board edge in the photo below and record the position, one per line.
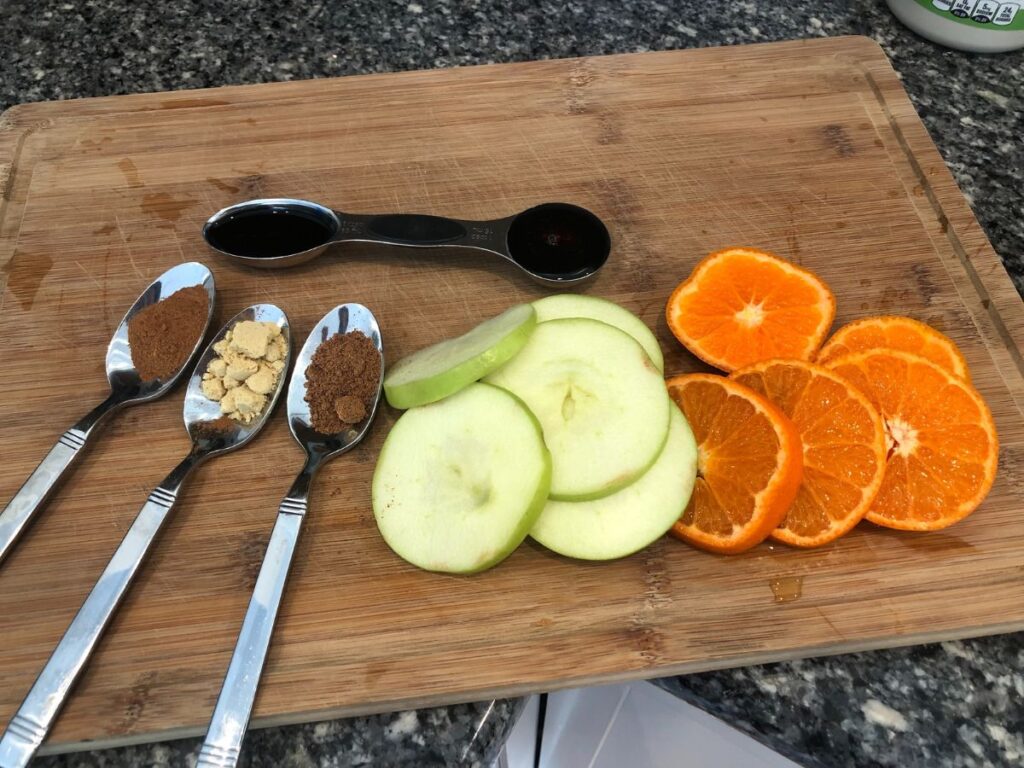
(525, 689)
(977, 259)
(36, 112)
(14, 134)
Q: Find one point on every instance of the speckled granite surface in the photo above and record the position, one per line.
(954, 704)
(949, 705)
(469, 735)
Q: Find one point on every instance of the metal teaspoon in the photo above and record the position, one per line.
(126, 388)
(223, 741)
(39, 710)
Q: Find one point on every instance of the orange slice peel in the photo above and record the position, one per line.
(743, 305)
(749, 464)
(942, 446)
(903, 334)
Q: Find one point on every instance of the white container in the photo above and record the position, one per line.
(639, 726)
(984, 26)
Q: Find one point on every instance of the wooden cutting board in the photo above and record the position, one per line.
(810, 149)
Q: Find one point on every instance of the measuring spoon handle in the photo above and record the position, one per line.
(33, 720)
(223, 741)
(44, 479)
(417, 230)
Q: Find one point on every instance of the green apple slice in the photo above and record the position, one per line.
(563, 305)
(629, 520)
(443, 369)
(459, 483)
(602, 403)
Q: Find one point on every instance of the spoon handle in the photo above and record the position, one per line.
(33, 720)
(40, 484)
(223, 741)
(417, 230)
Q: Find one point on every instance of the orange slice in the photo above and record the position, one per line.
(942, 443)
(843, 447)
(900, 333)
(748, 463)
(742, 305)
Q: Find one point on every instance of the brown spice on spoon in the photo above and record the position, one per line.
(350, 409)
(342, 381)
(162, 336)
(215, 428)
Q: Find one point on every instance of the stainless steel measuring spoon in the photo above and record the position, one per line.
(126, 388)
(557, 244)
(223, 741)
(33, 720)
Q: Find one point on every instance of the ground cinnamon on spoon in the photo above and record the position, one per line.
(161, 337)
(342, 382)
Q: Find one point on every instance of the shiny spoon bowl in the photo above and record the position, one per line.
(126, 388)
(39, 710)
(223, 742)
(557, 244)
(201, 410)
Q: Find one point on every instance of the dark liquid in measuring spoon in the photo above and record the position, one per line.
(264, 233)
(559, 241)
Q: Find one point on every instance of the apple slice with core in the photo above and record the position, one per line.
(459, 483)
(628, 520)
(563, 305)
(443, 369)
(600, 400)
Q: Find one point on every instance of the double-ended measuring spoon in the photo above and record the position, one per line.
(557, 244)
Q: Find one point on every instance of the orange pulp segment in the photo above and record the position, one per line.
(748, 466)
(843, 447)
(942, 447)
(895, 332)
(742, 305)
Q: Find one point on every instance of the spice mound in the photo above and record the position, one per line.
(161, 337)
(245, 371)
(342, 382)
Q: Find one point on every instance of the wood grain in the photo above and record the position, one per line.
(811, 149)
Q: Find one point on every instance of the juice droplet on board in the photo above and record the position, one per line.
(787, 588)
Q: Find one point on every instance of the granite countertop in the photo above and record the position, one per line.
(952, 704)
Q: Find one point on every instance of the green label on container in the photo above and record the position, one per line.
(980, 14)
